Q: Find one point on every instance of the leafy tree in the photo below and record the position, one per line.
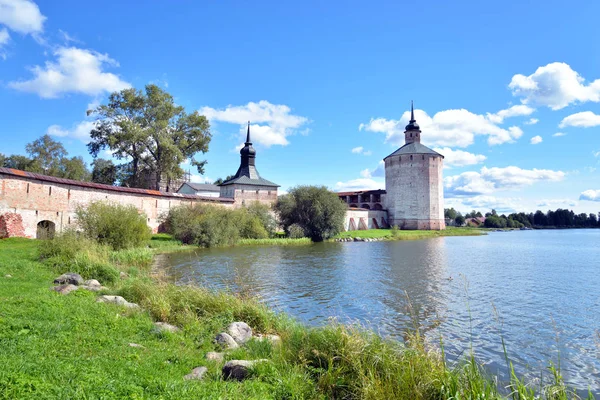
(265, 215)
(104, 171)
(450, 213)
(46, 155)
(459, 220)
(318, 211)
(74, 168)
(17, 162)
(221, 180)
(2, 159)
(151, 130)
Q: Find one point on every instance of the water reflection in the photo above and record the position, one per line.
(538, 290)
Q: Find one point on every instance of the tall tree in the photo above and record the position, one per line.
(104, 171)
(74, 168)
(17, 162)
(152, 131)
(46, 155)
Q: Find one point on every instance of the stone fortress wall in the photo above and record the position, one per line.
(49, 203)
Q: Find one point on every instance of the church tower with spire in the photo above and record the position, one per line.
(247, 186)
(414, 183)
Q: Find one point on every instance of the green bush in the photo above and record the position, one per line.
(316, 209)
(266, 216)
(295, 231)
(395, 231)
(118, 226)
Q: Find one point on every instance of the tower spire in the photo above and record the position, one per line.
(412, 112)
(248, 134)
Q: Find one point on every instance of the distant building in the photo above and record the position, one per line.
(247, 185)
(414, 196)
(200, 189)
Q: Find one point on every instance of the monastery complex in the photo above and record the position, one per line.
(34, 205)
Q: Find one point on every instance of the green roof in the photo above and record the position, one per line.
(414, 148)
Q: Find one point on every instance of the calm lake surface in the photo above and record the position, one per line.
(540, 290)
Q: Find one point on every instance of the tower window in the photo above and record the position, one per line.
(410, 158)
(423, 157)
(411, 135)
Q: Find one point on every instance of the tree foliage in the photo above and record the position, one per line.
(316, 209)
(152, 131)
(104, 171)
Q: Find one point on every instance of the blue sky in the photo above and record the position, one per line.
(509, 93)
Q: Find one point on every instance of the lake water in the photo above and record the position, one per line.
(540, 290)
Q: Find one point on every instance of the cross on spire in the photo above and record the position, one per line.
(248, 135)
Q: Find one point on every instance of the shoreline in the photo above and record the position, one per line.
(329, 361)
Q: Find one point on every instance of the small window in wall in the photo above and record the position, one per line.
(50, 191)
(36, 212)
(69, 221)
(257, 192)
(422, 157)
(28, 188)
(242, 190)
(57, 214)
(410, 158)
(269, 192)
(411, 135)
(157, 203)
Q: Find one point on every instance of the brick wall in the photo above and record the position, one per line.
(37, 200)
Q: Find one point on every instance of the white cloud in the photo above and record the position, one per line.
(590, 195)
(585, 119)
(489, 180)
(559, 134)
(555, 85)
(359, 184)
(536, 140)
(277, 121)
(514, 111)
(485, 203)
(4, 39)
(554, 203)
(596, 153)
(532, 121)
(200, 179)
(446, 128)
(21, 16)
(361, 150)
(459, 158)
(379, 171)
(75, 70)
(79, 131)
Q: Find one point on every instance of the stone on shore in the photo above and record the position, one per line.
(64, 289)
(214, 356)
(93, 285)
(238, 369)
(138, 346)
(240, 332)
(8, 276)
(274, 339)
(197, 373)
(69, 278)
(118, 300)
(123, 275)
(226, 341)
(164, 327)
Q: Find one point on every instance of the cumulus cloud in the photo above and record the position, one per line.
(590, 195)
(459, 158)
(555, 85)
(361, 150)
(4, 39)
(359, 184)
(484, 203)
(596, 153)
(553, 203)
(536, 140)
(21, 16)
(514, 111)
(532, 121)
(74, 71)
(272, 123)
(489, 180)
(559, 134)
(449, 128)
(379, 171)
(585, 119)
(79, 131)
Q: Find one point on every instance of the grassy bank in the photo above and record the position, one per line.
(56, 346)
(410, 235)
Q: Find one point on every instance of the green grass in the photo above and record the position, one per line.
(67, 347)
(408, 235)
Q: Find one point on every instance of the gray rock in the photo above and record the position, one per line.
(197, 373)
(138, 346)
(238, 369)
(164, 327)
(357, 239)
(226, 341)
(214, 356)
(92, 282)
(123, 275)
(8, 276)
(240, 332)
(69, 278)
(93, 288)
(118, 300)
(65, 289)
(274, 339)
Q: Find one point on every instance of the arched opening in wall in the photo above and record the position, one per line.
(45, 230)
(368, 207)
(377, 207)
